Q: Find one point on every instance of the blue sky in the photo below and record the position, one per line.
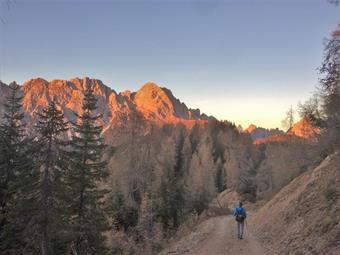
(245, 61)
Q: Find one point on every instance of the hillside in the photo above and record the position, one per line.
(304, 217)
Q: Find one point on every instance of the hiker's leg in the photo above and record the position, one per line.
(241, 229)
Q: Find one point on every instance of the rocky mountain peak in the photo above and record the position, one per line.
(251, 128)
(154, 103)
(150, 87)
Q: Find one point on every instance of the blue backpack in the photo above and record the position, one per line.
(240, 217)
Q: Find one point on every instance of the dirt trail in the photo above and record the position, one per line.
(217, 236)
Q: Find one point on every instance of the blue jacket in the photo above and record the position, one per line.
(240, 211)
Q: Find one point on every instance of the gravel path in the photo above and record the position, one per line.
(217, 236)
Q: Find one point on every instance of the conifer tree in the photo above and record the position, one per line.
(123, 216)
(11, 137)
(86, 169)
(171, 195)
(171, 200)
(51, 127)
(18, 180)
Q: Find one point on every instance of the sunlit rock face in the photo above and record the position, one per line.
(304, 129)
(152, 103)
(251, 128)
(68, 94)
(159, 104)
(155, 103)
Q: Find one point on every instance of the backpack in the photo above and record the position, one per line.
(239, 215)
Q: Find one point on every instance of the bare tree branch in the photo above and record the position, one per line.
(336, 2)
(8, 4)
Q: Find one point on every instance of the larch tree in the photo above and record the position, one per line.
(85, 171)
(288, 121)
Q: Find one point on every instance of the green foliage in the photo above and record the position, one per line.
(179, 159)
(247, 188)
(18, 179)
(124, 217)
(194, 137)
(220, 179)
(11, 131)
(50, 128)
(201, 203)
(171, 201)
(85, 169)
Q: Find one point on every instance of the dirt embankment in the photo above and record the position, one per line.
(304, 217)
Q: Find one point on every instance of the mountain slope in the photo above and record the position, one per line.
(304, 217)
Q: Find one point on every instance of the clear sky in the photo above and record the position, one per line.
(245, 61)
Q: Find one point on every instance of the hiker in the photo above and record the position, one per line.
(240, 216)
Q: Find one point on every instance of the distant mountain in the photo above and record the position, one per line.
(301, 129)
(259, 133)
(152, 102)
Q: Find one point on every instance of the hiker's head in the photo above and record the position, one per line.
(240, 204)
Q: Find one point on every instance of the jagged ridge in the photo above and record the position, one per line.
(153, 102)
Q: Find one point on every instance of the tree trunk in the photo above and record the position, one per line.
(45, 198)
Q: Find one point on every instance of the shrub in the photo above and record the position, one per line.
(331, 194)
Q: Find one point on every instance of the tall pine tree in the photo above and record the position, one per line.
(171, 200)
(86, 169)
(51, 128)
(18, 180)
(11, 137)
